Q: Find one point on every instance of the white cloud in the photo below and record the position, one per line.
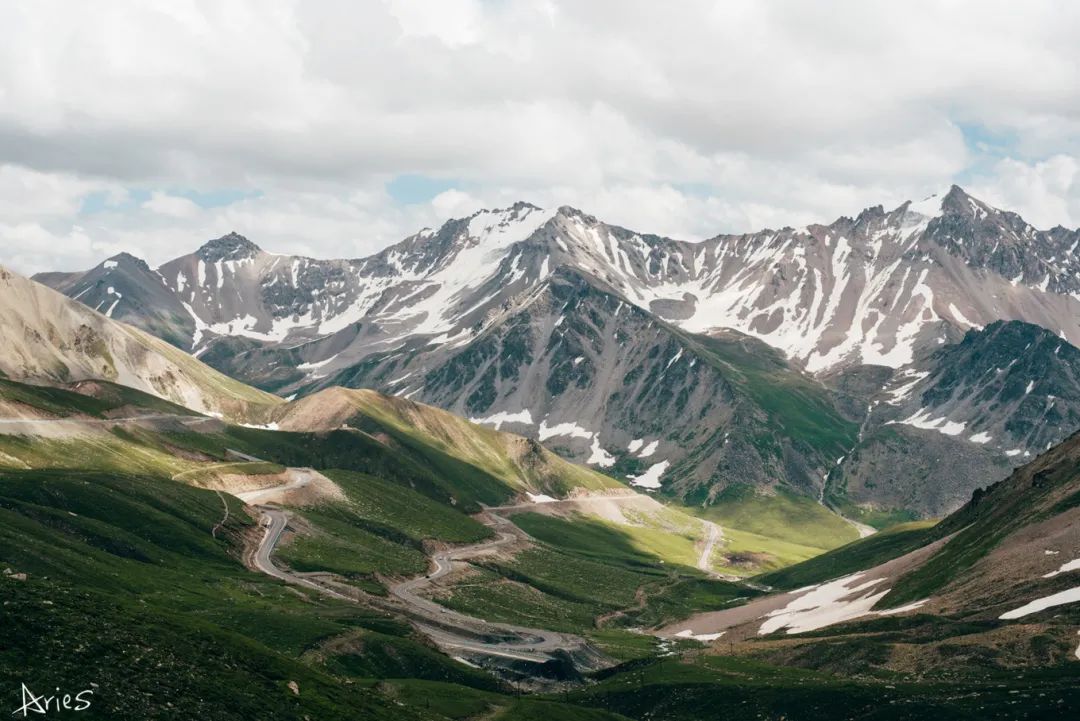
(453, 22)
(453, 202)
(172, 205)
(689, 120)
(1046, 192)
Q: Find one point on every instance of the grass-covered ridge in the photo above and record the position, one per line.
(1033, 493)
(442, 440)
(797, 406)
(626, 545)
(769, 530)
(782, 515)
(590, 577)
(722, 688)
(380, 529)
(95, 399)
(855, 556)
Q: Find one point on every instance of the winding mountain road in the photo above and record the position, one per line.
(298, 478)
(274, 522)
(447, 628)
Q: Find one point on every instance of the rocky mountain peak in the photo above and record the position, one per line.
(959, 206)
(523, 206)
(127, 260)
(232, 246)
(958, 201)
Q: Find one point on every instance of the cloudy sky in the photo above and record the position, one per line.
(336, 128)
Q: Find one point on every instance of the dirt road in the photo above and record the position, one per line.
(449, 629)
(713, 535)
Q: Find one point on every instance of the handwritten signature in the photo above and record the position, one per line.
(43, 704)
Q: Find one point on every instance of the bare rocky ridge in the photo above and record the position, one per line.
(125, 288)
(967, 412)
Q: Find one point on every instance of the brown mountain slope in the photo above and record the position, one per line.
(49, 338)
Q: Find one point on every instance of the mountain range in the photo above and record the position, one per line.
(806, 358)
(185, 546)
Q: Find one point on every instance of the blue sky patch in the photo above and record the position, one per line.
(100, 201)
(986, 147)
(409, 189)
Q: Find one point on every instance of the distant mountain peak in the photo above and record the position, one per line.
(524, 205)
(125, 259)
(232, 246)
(519, 209)
(956, 193)
(959, 202)
(570, 211)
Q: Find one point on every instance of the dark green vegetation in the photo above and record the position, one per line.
(864, 553)
(135, 581)
(379, 445)
(433, 474)
(380, 530)
(126, 579)
(442, 441)
(96, 399)
(130, 590)
(136, 585)
(722, 688)
(797, 407)
(417, 517)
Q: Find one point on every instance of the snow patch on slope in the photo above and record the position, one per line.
(921, 419)
(1071, 595)
(651, 477)
(497, 419)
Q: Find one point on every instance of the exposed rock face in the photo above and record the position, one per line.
(126, 288)
(968, 411)
(551, 319)
(228, 247)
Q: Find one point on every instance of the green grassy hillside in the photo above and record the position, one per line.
(798, 407)
(135, 581)
(720, 688)
(96, 399)
(129, 590)
(441, 440)
(1037, 492)
(856, 556)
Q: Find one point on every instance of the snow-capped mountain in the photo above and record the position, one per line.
(541, 320)
(870, 290)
